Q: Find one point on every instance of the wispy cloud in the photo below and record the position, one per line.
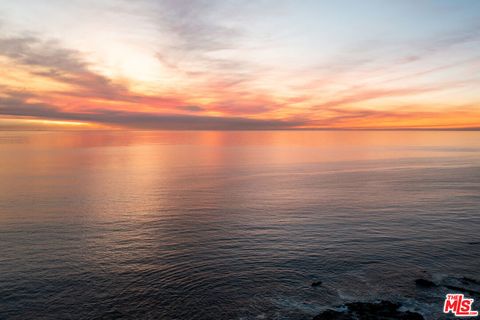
(207, 64)
(49, 59)
(16, 105)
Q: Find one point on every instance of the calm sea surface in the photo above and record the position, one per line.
(233, 225)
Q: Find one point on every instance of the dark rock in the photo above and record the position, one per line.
(333, 315)
(383, 310)
(316, 283)
(425, 283)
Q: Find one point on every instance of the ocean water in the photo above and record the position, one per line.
(233, 225)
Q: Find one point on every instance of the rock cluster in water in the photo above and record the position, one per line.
(387, 310)
(384, 310)
(425, 283)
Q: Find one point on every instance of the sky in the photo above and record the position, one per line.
(235, 65)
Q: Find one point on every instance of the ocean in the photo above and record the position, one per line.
(234, 224)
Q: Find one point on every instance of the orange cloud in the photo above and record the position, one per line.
(44, 84)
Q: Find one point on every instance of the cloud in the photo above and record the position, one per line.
(191, 108)
(401, 117)
(397, 61)
(366, 95)
(49, 59)
(29, 50)
(200, 44)
(202, 54)
(90, 89)
(16, 105)
(193, 25)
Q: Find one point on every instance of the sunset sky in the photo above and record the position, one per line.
(232, 64)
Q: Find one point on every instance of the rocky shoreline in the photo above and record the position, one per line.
(385, 310)
(389, 310)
